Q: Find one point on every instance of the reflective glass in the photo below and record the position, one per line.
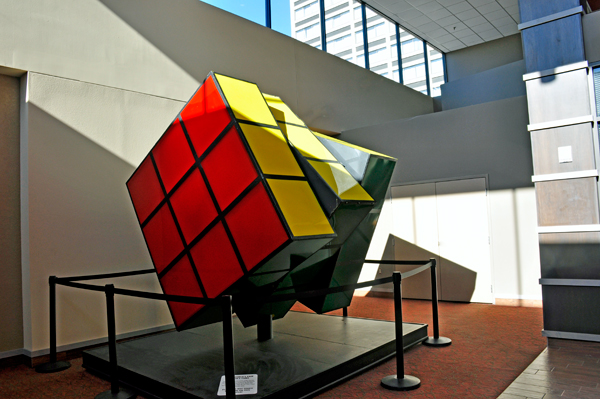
(357, 31)
(413, 62)
(338, 27)
(305, 22)
(381, 34)
(253, 10)
(436, 71)
(281, 20)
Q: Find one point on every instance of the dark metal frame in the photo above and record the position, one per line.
(399, 48)
(365, 35)
(426, 58)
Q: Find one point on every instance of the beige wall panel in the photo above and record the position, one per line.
(567, 202)
(490, 138)
(84, 40)
(166, 48)
(570, 238)
(11, 308)
(591, 36)
(84, 141)
(570, 87)
(545, 144)
(482, 57)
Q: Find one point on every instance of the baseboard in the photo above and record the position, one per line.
(525, 303)
(571, 335)
(32, 358)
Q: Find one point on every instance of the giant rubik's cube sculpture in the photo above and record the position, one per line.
(239, 197)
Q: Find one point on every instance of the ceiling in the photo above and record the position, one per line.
(453, 24)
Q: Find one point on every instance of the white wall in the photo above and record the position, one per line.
(498, 83)
(83, 141)
(491, 140)
(475, 59)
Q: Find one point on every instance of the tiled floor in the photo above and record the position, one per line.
(566, 369)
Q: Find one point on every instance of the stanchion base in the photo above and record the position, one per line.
(441, 341)
(122, 394)
(400, 384)
(53, 367)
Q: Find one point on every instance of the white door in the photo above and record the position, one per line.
(414, 216)
(447, 221)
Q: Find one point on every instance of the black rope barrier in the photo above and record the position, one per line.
(417, 270)
(398, 262)
(226, 305)
(106, 275)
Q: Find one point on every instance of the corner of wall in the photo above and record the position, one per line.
(24, 182)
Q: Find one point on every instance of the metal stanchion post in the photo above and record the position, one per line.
(400, 381)
(114, 392)
(228, 348)
(436, 340)
(53, 365)
(264, 327)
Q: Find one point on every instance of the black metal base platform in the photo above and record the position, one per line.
(308, 354)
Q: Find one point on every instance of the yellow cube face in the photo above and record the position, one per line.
(300, 207)
(306, 142)
(245, 100)
(281, 111)
(271, 151)
(340, 181)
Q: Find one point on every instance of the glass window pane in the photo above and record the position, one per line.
(306, 22)
(253, 10)
(357, 31)
(381, 34)
(436, 71)
(413, 62)
(596, 75)
(332, 3)
(281, 20)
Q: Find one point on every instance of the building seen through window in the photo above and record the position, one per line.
(338, 26)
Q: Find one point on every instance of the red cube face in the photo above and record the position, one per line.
(206, 210)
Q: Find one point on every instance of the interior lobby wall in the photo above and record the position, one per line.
(482, 57)
(11, 309)
(166, 49)
(83, 141)
(490, 140)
